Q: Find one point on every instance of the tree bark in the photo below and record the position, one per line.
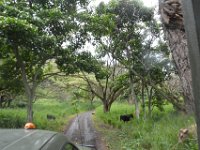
(134, 98)
(30, 4)
(106, 107)
(30, 109)
(179, 50)
(172, 18)
(149, 93)
(143, 98)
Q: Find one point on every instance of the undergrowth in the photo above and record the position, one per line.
(160, 132)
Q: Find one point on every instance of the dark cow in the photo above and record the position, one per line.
(51, 117)
(5, 101)
(126, 117)
(21, 104)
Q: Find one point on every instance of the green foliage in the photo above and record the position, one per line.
(10, 77)
(158, 133)
(82, 62)
(158, 101)
(122, 80)
(88, 63)
(12, 28)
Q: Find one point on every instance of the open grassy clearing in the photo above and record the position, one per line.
(158, 133)
(62, 110)
(54, 97)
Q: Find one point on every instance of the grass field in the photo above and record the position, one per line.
(158, 133)
(55, 96)
(62, 110)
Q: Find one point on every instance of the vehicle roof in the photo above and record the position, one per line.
(21, 139)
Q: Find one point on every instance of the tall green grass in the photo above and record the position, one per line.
(62, 110)
(112, 118)
(157, 133)
(12, 118)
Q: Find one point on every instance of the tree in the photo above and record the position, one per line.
(172, 18)
(123, 31)
(109, 88)
(105, 81)
(34, 32)
(155, 70)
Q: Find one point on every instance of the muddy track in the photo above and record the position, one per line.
(82, 132)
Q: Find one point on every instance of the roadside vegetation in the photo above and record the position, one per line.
(160, 132)
(62, 111)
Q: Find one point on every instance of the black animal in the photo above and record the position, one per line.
(51, 117)
(126, 117)
(5, 101)
(21, 104)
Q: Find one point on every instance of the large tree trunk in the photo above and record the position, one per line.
(30, 93)
(106, 106)
(30, 109)
(179, 49)
(172, 18)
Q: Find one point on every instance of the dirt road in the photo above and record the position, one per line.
(81, 131)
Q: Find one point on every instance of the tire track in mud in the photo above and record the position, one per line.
(81, 131)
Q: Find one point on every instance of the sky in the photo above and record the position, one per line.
(149, 3)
